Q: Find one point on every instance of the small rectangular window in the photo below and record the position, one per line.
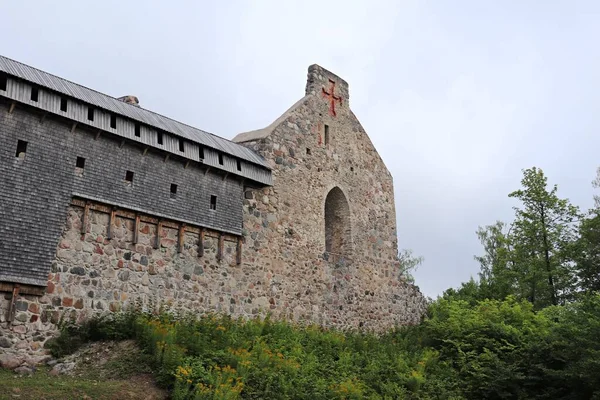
(3, 82)
(113, 121)
(213, 202)
(181, 145)
(63, 104)
(159, 137)
(90, 114)
(173, 190)
(308, 151)
(239, 165)
(220, 158)
(129, 176)
(201, 152)
(34, 94)
(21, 149)
(80, 163)
(137, 130)
(326, 134)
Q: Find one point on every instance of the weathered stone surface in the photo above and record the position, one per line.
(318, 246)
(78, 271)
(24, 370)
(5, 342)
(62, 368)
(10, 361)
(37, 360)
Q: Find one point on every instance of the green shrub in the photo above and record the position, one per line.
(216, 357)
(116, 326)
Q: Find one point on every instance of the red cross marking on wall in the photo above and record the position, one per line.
(332, 98)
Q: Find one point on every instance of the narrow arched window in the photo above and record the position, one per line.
(338, 238)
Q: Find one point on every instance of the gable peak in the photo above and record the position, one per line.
(321, 81)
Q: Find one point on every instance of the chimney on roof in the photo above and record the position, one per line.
(134, 101)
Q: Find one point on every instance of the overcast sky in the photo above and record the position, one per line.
(457, 96)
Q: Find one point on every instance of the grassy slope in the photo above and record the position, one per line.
(105, 370)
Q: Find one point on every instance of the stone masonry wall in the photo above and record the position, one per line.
(92, 274)
(315, 149)
(285, 268)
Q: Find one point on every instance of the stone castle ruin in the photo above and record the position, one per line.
(104, 204)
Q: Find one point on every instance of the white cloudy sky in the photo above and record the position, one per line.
(458, 96)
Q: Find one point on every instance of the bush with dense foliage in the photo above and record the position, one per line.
(217, 357)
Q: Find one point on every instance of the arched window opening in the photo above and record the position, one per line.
(338, 236)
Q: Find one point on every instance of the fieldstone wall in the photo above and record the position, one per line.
(304, 258)
(324, 265)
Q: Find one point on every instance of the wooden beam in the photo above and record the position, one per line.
(201, 243)
(180, 238)
(158, 230)
(136, 228)
(206, 170)
(13, 303)
(111, 223)
(86, 217)
(220, 247)
(23, 289)
(187, 164)
(122, 144)
(145, 151)
(12, 107)
(73, 127)
(238, 251)
(225, 176)
(98, 135)
(167, 157)
(43, 119)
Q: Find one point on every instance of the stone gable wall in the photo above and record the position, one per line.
(284, 225)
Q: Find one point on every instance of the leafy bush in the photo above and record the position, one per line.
(118, 326)
(505, 350)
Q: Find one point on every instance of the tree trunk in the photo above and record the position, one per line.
(547, 259)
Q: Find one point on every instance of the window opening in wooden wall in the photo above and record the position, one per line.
(239, 165)
(159, 137)
(63, 104)
(3, 82)
(181, 145)
(34, 94)
(201, 152)
(220, 159)
(21, 149)
(90, 114)
(113, 121)
(137, 130)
